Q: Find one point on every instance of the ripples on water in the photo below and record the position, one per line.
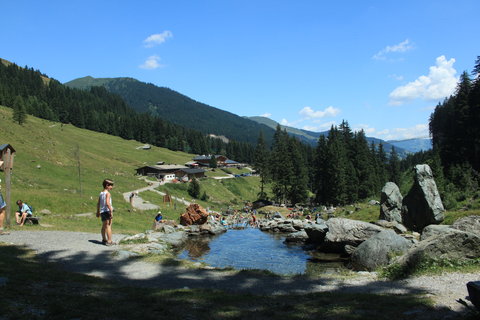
(253, 249)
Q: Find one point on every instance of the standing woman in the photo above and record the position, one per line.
(105, 211)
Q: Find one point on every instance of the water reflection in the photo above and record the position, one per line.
(253, 249)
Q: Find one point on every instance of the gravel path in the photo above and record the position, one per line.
(83, 252)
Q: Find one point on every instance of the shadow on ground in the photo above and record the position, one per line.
(134, 289)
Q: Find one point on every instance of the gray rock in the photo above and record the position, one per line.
(422, 205)
(391, 203)
(456, 245)
(376, 251)
(134, 237)
(157, 248)
(345, 231)
(397, 227)
(297, 224)
(434, 230)
(316, 232)
(175, 239)
(124, 254)
(468, 224)
(299, 236)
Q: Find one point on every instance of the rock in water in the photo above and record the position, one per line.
(194, 214)
(422, 205)
(375, 251)
(391, 203)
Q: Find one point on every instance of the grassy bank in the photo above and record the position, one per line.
(60, 168)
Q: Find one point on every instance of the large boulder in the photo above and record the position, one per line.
(422, 205)
(316, 231)
(468, 224)
(435, 230)
(452, 245)
(194, 214)
(391, 203)
(343, 232)
(299, 236)
(376, 251)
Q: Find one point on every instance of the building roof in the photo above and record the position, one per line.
(165, 167)
(192, 171)
(228, 161)
(4, 146)
(206, 157)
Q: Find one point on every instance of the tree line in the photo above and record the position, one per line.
(343, 168)
(28, 91)
(455, 132)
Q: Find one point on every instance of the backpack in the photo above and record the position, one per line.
(30, 207)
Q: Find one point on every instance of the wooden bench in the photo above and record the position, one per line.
(32, 220)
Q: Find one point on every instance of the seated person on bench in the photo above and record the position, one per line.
(23, 212)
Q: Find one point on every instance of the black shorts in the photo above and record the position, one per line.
(106, 215)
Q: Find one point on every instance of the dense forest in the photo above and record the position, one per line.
(178, 108)
(455, 131)
(28, 91)
(343, 168)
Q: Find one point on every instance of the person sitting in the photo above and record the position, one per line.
(158, 220)
(23, 212)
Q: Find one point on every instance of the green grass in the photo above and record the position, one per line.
(56, 294)
(56, 186)
(430, 267)
(222, 193)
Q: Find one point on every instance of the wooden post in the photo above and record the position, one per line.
(7, 167)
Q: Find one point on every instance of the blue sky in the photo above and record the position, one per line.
(381, 65)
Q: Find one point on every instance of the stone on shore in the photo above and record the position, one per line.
(391, 203)
(376, 251)
(422, 205)
(343, 232)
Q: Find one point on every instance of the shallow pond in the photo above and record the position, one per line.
(251, 248)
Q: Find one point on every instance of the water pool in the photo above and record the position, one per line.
(251, 248)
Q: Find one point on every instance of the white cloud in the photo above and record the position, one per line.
(403, 46)
(152, 62)
(417, 131)
(156, 39)
(266, 115)
(440, 83)
(309, 113)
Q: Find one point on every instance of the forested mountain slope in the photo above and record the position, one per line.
(177, 108)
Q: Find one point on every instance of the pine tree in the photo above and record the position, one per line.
(394, 167)
(261, 164)
(19, 111)
(194, 189)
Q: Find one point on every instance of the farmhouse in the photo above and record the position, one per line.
(169, 172)
(222, 161)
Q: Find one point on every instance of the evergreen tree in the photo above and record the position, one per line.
(213, 162)
(19, 110)
(194, 189)
(298, 192)
(394, 167)
(261, 164)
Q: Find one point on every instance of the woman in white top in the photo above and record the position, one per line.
(105, 210)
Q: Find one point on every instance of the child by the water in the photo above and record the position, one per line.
(105, 211)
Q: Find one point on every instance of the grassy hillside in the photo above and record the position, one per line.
(45, 173)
